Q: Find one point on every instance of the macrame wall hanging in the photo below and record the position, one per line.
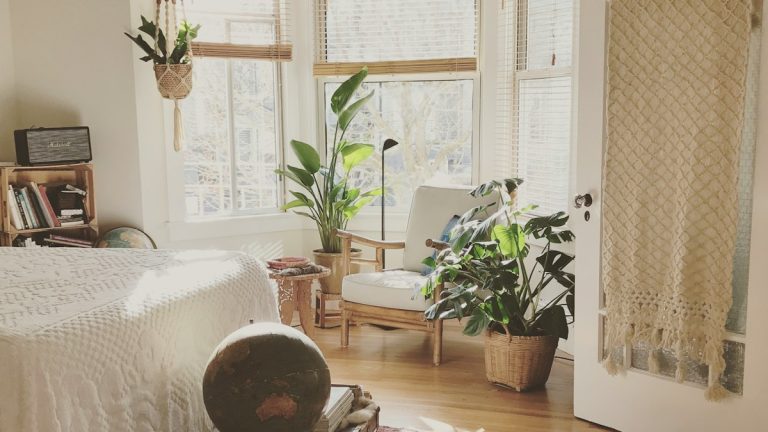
(174, 78)
(675, 114)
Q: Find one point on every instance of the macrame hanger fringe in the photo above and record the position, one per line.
(178, 126)
(174, 80)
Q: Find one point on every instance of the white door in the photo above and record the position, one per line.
(640, 401)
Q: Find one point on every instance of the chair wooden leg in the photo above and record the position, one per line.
(437, 349)
(344, 329)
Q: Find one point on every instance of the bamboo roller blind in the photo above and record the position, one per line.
(246, 29)
(395, 36)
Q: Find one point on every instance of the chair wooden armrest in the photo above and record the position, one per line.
(355, 238)
(347, 238)
(437, 245)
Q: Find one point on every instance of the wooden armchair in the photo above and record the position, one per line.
(390, 297)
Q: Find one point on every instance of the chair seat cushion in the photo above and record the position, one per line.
(396, 289)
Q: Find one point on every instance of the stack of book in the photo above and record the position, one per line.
(338, 407)
(34, 206)
(63, 241)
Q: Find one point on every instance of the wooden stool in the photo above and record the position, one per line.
(325, 318)
(295, 292)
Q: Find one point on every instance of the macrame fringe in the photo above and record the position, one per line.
(178, 126)
(716, 392)
(629, 335)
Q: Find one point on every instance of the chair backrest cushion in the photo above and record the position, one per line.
(431, 210)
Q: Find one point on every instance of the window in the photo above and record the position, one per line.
(534, 105)
(422, 63)
(232, 124)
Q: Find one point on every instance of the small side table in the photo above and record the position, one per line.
(295, 292)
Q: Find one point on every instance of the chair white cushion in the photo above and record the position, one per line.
(431, 210)
(396, 289)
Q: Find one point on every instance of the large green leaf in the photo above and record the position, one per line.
(345, 91)
(554, 261)
(353, 209)
(354, 154)
(149, 28)
(346, 116)
(292, 176)
(294, 204)
(373, 192)
(305, 178)
(307, 155)
(477, 323)
(511, 239)
(303, 198)
(553, 322)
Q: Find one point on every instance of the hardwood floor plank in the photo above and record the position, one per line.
(395, 366)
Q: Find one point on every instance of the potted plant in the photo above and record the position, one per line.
(492, 281)
(176, 57)
(329, 198)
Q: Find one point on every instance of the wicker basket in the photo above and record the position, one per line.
(519, 362)
(174, 81)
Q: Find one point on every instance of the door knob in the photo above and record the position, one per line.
(582, 200)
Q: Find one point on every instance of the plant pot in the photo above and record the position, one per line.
(519, 362)
(174, 81)
(332, 283)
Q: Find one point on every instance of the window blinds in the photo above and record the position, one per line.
(249, 29)
(395, 36)
(534, 99)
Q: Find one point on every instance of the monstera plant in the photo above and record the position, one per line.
(326, 194)
(492, 280)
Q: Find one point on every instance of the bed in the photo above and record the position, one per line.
(118, 339)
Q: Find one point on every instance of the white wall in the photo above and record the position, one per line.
(7, 85)
(73, 67)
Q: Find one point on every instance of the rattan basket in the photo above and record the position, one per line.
(174, 81)
(519, 362)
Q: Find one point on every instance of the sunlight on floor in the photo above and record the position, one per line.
(437, 426)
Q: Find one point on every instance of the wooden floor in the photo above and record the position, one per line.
(395, 367)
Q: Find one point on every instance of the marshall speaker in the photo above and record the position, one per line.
(53, 146)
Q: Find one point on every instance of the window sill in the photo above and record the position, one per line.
(233, 226)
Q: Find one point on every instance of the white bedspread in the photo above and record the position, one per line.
(118, 340)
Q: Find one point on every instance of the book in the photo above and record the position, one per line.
(40, 206)
(48, 207)
(71, 240)
(37, 206)
(65, 243)
(13, 210)
(26, 201)
(20, 205)
(338, 406)
(72, 212)
(68, 222)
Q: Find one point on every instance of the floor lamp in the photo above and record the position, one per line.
(388, 144)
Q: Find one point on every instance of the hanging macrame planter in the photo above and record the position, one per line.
(174, 80)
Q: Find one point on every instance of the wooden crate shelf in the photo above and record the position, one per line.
(79, 175)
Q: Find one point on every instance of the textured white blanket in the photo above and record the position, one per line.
(118, 340)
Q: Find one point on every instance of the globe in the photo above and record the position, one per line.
(266, 377)
(125, 238)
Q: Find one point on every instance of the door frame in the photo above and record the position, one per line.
(638, 400)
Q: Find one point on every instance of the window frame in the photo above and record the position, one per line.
(175, 161)
(520, 18)
(474, 76)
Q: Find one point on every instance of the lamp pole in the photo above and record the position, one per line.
(388, 144)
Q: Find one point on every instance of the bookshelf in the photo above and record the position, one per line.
(78, 175)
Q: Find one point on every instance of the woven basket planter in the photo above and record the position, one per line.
(519, 362)
(174, 81)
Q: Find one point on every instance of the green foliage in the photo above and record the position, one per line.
(179, 54)
(331, 202)
(487, 275)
